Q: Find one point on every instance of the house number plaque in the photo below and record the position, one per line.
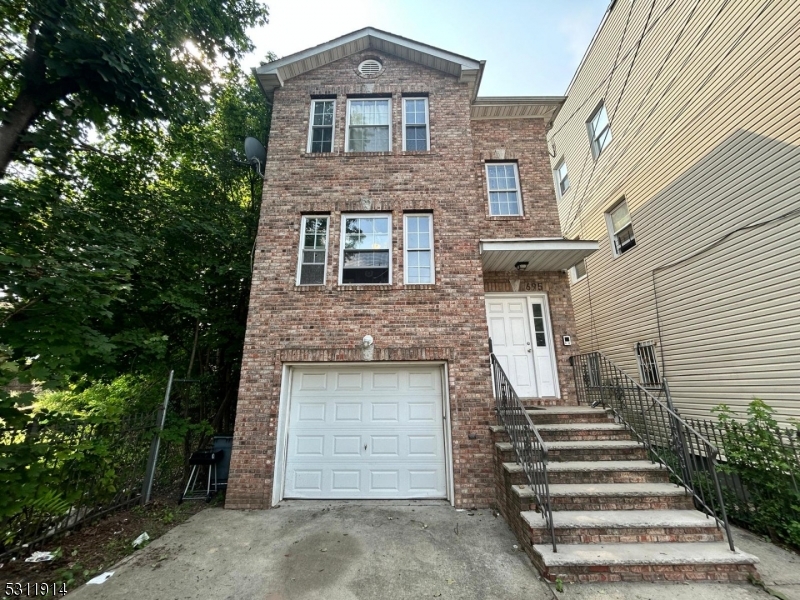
(532, 286)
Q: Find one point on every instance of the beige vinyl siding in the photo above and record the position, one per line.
(706, 139)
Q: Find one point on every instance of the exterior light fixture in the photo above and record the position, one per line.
(521, 265)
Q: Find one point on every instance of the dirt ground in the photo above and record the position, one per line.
(88, 550)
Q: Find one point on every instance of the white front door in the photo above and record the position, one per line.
(366, 431)
(521, 339)
(510, 330)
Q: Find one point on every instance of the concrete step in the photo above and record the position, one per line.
(712, 561)
(599, 450)
(568, 414)
(582, 432)
(613, 496)
(624, 526)
(586, 472)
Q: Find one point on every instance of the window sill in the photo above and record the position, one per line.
(507, 218)
(627, 252)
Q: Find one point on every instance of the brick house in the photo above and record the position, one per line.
(396, 205)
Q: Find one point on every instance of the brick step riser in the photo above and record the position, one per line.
(577, 455)
(564, 419)
(650, 573)
(655, 502)
(555, 477)
(580, 454)
(628, 535)
(548, 402)
(587, 435)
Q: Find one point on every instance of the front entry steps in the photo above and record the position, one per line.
(616, 516)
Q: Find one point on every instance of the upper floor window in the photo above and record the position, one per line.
(503, 184)
(369, 125)
(366, 249)
(562, 178)
(415, 124)
(320, 131)
(419, 249)
(313, 251)
(578, 271)
(620, 228)
(599, 130)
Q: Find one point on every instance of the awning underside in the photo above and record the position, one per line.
(551, 254)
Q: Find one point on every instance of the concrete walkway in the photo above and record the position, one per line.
(330, 551)
(375, 550)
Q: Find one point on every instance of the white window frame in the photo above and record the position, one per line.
(573, 272)
(311, 124)
(342, 233)
(651, 345)
(347, 124)
(405, 247)
(427, 122)
(616, 252)
(593, 135)
(558, 179)
(489, 191)
(302, 248)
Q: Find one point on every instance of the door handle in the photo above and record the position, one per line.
(529, 349)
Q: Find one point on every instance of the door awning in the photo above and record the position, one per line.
(541, 254)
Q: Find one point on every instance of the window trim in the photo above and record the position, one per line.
(636, 349)
(521, 212)
(616, 253)
(427, 123)
(300, 263)
(347, 125)
(405, 248)
(573, 272)
(596, 151)
(369, 215)
(311, 125)
(558, 180)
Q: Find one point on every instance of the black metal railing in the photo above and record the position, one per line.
(528, 445)
(669, 439)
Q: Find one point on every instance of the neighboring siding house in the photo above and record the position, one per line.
(678, 147)
(399, 209)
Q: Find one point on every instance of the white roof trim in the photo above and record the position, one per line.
(272, 75)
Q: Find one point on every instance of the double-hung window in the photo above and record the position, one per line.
(320, 130)
(620, 228)
(562, 178)
(418, 249)
(313, 251)
(366, 249)
(503, 184)
(599, 130)
(648, 365)
(415, 124)
(369, 125)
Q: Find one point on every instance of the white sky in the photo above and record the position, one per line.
(531, 47)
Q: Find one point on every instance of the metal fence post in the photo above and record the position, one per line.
(150, 473)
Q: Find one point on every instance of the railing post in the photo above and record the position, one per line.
(712, 461)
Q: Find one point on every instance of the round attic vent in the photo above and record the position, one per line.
(370, 68)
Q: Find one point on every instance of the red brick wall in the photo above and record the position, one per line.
(445, 321)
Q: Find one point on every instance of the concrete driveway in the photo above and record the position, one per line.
(330, 551)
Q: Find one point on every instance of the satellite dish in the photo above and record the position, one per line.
(256, 154)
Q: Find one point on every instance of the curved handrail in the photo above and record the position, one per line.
(528, 444)
(669, 439)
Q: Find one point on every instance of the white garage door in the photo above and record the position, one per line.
(366, 432)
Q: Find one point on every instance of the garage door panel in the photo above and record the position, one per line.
(366, 432)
